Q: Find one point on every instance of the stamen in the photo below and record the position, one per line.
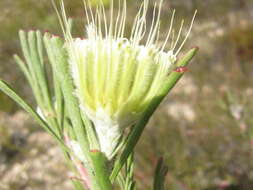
(155, 31)
(152, 25)
(141, 24)
(122, 21)
(179, 33)
(134, 27)
(157, 36)
(172, 39)
(188, 33)
(86, 12)
(168, 35)
(98, 22)
(65, 22)
(105, 20)
(117, 21)
(111, 20)
(91, 13)
(59, 17)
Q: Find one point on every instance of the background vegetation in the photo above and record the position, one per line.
(204, 129)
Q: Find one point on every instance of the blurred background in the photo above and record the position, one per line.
(204, 129)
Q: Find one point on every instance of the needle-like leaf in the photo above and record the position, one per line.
(12, 94)
(160, 174)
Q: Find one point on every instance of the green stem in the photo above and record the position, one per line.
(101, 172)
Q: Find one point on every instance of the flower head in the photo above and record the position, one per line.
(117, 78)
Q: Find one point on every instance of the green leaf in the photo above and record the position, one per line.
(59, 101)
(137, 130)
(129, 172)
(23, 68)
(12, 94)
(37, 67)
(34, 70)
(58, 59)
(160, 174)
(32, 75)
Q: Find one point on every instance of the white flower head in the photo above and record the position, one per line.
(117, 78)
